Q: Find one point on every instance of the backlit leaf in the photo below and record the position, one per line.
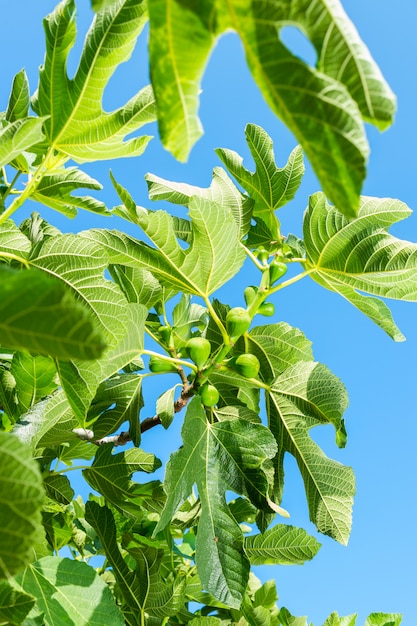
(347, 256)
(77, 126)
(304, 396)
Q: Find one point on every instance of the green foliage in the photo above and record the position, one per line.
(79, 312)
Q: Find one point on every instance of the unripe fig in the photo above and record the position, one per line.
(250, 294)
(267, 309)
(165, 333)
(247, 365)
(157, 365)
(277, 269)
(238, 321)
(209, 395)
(261, 254)
(199, 350)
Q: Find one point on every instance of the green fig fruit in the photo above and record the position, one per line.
(209, 395)
(238, 321)
(247, 365)
(158, 366)
(267, 309)
(199, 350)
(250, 294)
(277, 269)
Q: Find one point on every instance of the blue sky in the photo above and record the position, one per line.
(377, 571)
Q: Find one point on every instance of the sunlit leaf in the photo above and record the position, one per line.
(283, 545)
(18, 136)
(269, 186)
(347, 256)
(35, 378)
(70, 590)
(77, 126)
(19, 99)
(217, 457)
(221, 190)
(177, 69)
(212, 258)
(304, 396)
(55, 190)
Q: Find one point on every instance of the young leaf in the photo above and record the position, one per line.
(21, 497)
(14, 604)
(165, 406)
(307, 395)
(77, 126)
(69, 590)
(177, 69)
(269, 186)
(216, 457)
(19, 100)
(35, 378)
(19, 136)
(359, 254)
(39, 313)
(110, 473)
(55, 189)
(283, 545)
(221, 190)
(213, 257)
(102, 520)
(117, 400)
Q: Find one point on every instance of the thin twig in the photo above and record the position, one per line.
(124, 437)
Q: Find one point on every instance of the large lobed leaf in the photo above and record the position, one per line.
(270, 187)
(323, 105)
(303, 396)
(77, 126)
(347, 256)
(217, 457)
(214, 254)
(68, 591)
(40, 314)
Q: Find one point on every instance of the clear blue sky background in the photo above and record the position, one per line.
(377, 571)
